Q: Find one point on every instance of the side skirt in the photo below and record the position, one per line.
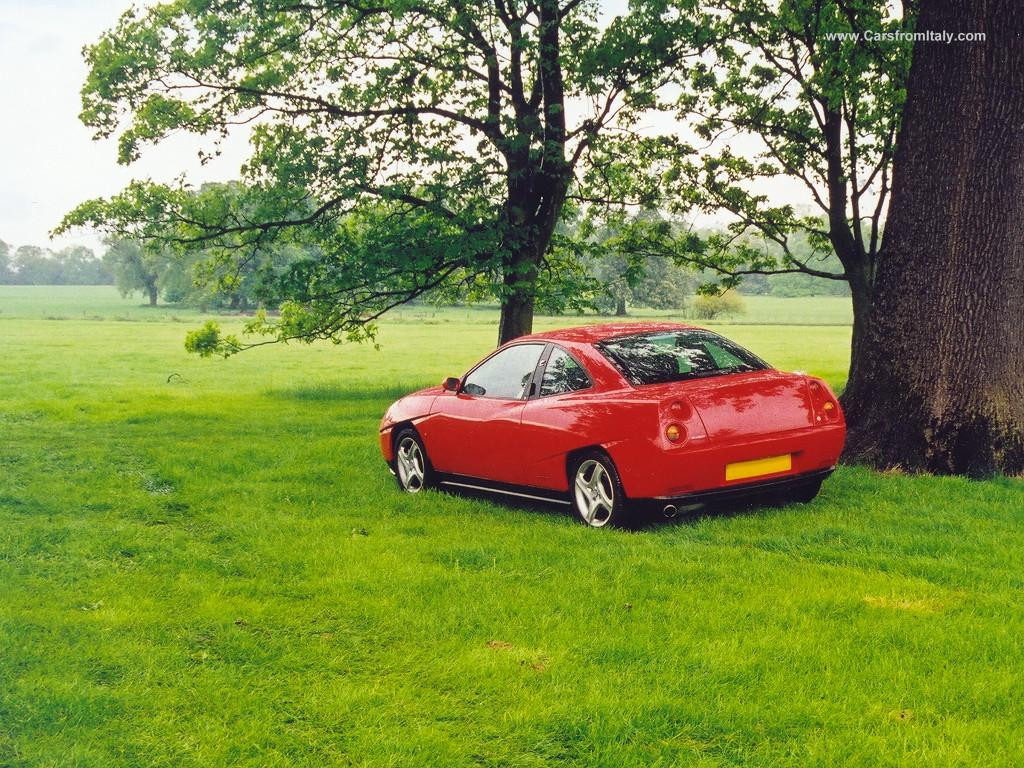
(504, 489)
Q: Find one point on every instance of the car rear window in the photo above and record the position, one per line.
(654, 358)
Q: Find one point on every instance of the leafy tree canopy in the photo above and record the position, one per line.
(791, 94)
(411, 144)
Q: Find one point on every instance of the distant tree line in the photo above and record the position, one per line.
(616, 283)
(611, 279)
(184, 276)
(32, 265)
(656, 281)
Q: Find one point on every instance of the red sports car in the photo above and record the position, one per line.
(612, 418)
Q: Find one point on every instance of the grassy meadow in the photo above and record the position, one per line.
(206, 563)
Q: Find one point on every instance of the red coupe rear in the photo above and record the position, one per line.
(613, 418)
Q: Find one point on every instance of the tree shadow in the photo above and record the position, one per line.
(648, 520)
(332, 392)
(549, 509)
(724, 510)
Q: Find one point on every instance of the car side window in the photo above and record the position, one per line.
(506, 375)
(562, 374)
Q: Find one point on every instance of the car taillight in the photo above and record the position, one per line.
(680, 423)
(824, 404)
(680, 409)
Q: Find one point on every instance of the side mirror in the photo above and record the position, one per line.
(451, 384)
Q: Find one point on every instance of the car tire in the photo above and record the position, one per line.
(805, 492)
(413, 471)
(596, 493)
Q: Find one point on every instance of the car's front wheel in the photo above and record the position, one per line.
(596, 491)
(412, 468)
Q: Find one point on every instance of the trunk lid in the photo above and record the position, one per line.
(747, 404)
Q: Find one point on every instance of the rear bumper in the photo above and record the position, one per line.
(734, 493)
(650, 471)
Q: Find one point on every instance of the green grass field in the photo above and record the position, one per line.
(205, 563)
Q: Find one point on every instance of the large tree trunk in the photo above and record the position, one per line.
(536, 192)
(939, 383)
(152, 290)
(520, 283)
(861, 289)
(517, 316)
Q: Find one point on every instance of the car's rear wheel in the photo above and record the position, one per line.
(596, 491)
(412, 467)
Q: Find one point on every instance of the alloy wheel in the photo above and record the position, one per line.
(595, 493)
(410, 465)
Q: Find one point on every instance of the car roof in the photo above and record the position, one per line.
(590, 334)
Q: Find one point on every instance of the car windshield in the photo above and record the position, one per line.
(654, 358)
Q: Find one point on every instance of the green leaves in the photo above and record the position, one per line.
(417, 146)
(784, 97)
(208, 341)
(403, 148)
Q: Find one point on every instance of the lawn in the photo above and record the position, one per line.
(205, 563)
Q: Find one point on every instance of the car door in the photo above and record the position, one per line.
(476, 431)
(557, 419)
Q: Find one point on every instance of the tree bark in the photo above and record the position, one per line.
(153, 292)
(938, 384)
(861, 290)
(516, 317)
(620, 306)
(536, 189)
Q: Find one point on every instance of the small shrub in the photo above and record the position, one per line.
(728, 304)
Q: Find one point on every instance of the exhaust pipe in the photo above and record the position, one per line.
(669, 511)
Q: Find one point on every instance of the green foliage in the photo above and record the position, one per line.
(624, 275)
(138, 265)
(665, 285)
(171, 257)
(796, 284)
(717, 306)
(195, 279)
(565, 284)
(654, 282)
(32, 265)
(207, 341)
(815, 109)
(407, 147)
(792, 283)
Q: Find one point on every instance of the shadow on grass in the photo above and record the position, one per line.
(548, 509)
(645, 520)
(731, 509)
(340, 392)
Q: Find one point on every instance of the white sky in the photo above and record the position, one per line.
(48, 160)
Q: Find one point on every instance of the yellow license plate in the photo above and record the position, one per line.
(768, 466)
